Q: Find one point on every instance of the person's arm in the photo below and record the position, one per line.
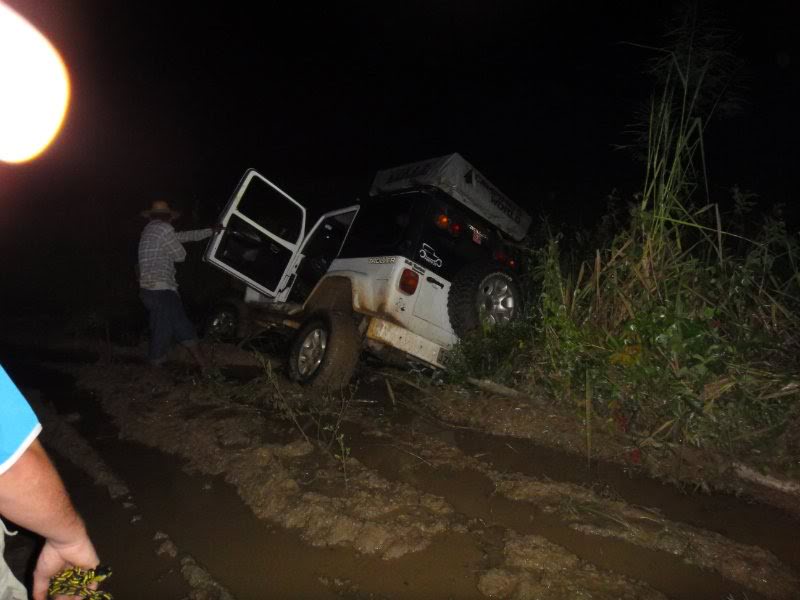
(172, 245)
(33, 496)
(194, 235)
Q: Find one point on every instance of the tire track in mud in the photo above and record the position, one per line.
(190, 430)
(422, 488)
(255, 559)
(373, 515)
(682, 561)
(736, 518)
(720, 520)
(208, 520)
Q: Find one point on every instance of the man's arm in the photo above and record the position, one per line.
(172, 246)
(194, 235)
(33, 496)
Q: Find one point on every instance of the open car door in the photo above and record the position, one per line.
(264, 228)
(321, 246)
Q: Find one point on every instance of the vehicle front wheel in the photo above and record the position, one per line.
(325, 351)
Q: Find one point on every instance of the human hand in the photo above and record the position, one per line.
(217, 227)
(56, 557)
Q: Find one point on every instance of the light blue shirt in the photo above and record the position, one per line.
(18, 423)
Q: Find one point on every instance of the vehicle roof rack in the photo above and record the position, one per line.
(460, 180)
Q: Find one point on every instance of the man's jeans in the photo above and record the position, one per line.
(10, 587)
(168, 321)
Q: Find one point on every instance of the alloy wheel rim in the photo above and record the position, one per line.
(496, 301)
(312, 351)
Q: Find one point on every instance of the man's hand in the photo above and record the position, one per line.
(56, 557)
(217, 227)
(32, 495)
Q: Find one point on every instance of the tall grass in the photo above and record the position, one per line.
(682, 328)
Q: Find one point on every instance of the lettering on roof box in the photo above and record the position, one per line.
(497, 198)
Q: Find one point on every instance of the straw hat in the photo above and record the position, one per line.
(160, 207)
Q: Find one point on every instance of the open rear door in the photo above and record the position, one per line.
(264, 228)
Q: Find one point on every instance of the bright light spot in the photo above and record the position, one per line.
(34, 89)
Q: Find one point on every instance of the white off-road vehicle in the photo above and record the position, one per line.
(423, 261)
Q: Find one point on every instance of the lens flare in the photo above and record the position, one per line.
(34, 89)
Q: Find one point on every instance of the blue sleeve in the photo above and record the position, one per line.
(18, 423)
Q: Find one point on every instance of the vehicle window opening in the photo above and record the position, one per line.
(271, 210)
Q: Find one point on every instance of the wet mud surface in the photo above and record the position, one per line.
(244, 485)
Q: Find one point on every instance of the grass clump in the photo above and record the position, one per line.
(500, 353)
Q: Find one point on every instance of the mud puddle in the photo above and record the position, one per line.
(738, 518)
(138, 572)
(459, 495)
(473, 495)
(206, 518)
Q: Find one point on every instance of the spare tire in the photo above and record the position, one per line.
(483, 294)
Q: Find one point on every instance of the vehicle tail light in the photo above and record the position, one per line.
(504, 259)
(445, 223)
(408, 281)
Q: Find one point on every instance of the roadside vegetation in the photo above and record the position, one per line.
(677, 325)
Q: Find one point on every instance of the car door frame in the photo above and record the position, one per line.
(283, 294)
(232, 209)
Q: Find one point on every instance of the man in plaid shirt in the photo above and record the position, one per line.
(160, 247)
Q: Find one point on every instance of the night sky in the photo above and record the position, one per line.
(175, 101)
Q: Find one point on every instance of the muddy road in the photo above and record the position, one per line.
(243, 485)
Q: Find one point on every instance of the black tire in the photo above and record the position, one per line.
(325, 351)
(223, 323)
(482, 294)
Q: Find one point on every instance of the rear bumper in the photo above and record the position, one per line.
(400, 338)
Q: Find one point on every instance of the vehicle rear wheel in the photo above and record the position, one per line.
(483, 294)
(325, 351)
(223, 323)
